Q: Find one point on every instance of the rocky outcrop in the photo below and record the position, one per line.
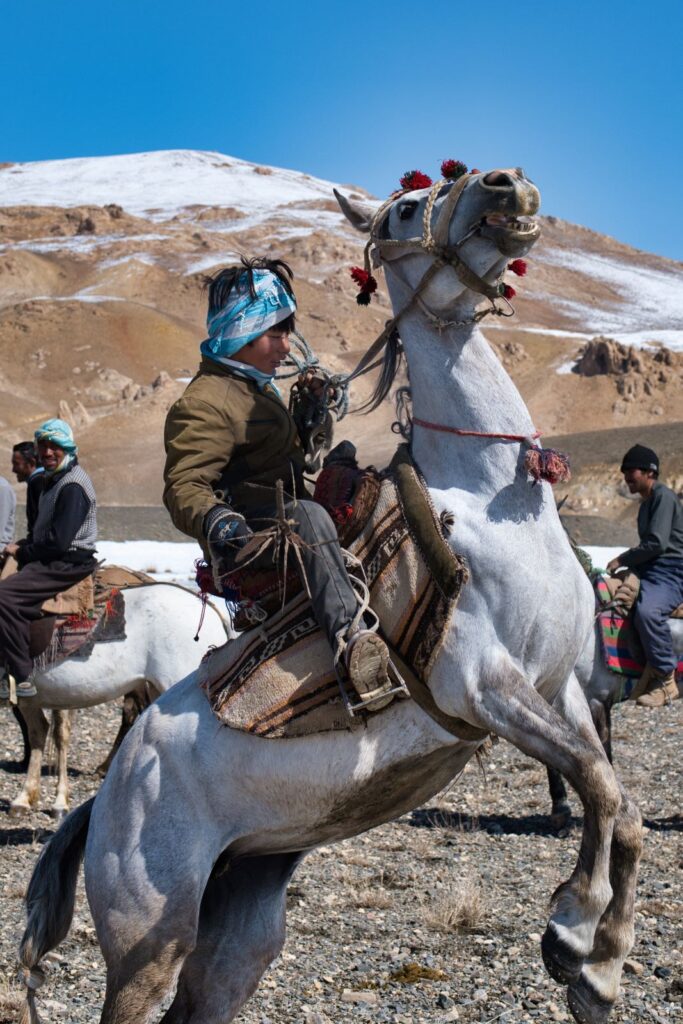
(638, 373)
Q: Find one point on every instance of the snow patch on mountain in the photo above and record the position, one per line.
(160, 184)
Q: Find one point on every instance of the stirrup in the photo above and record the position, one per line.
(399, 689)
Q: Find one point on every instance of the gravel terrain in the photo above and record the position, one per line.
(435, 917)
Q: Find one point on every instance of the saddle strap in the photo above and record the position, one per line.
(422, 696)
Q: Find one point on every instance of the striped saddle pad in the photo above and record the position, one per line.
(616, 634)
(279, 680)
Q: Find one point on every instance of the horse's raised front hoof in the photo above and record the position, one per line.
(561, 963)
(586, 1005)
(58, 814)
(561, 816)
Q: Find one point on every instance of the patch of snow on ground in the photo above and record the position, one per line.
(78, 243)
(164, 560)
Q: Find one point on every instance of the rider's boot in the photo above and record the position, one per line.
(663, 690)
(367, 663)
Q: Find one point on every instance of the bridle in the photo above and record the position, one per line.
(434, 241)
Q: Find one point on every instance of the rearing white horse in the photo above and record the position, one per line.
(197, 829)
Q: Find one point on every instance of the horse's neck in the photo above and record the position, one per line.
(456, 380)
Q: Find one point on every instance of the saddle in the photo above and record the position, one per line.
(279, 680)
(90, 612)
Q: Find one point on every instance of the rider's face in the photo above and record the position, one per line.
(266, 352)
(638, 481)
(50, 454)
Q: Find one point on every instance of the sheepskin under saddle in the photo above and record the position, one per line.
(279, 678)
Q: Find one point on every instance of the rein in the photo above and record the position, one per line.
(529, 438)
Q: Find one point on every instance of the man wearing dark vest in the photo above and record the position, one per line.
(658, 561)
(60, 552)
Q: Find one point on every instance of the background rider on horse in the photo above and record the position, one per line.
(60, 552)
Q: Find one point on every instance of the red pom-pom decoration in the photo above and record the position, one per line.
(413, 180)
(475, 170)
(367, 284)
(518, 267)
(453, 169)
(507, 291)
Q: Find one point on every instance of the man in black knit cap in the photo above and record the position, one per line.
(658, 561)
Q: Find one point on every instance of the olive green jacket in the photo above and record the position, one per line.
(227, 442)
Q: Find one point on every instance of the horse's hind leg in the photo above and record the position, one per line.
(241, 930)
(561, 813)
(61, 725)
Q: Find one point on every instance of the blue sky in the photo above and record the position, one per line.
(585, 96)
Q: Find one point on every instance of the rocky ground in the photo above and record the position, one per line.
(435, 917)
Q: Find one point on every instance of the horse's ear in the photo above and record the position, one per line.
(358, 212)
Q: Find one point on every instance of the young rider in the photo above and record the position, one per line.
(231, 438)
(59, 553)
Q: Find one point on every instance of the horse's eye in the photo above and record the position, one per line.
(406, 210)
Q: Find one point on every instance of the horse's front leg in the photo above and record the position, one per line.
(37, 726)
(564, 738)
(61, 721)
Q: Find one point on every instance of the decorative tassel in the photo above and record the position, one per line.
(367, 285)
(507, 291)
(413, 180)
(475, 170)
(547, 464)
(451, 170)
(518, 267)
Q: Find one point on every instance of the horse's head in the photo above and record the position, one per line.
(465, 230)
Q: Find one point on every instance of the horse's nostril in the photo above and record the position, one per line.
(499, 179)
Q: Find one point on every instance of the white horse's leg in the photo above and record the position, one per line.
(563, 737)
(61, 721)
(593, 995)
(37, 726)
(241, 931)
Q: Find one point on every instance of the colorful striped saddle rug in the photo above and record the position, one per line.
(279, 680)
(619, 642)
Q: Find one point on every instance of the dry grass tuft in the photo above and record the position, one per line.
(371, 899)
(461, 911)
(11, 1002)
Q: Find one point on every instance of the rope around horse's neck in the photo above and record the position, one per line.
(529, 438)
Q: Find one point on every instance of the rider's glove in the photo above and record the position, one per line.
(226, 534)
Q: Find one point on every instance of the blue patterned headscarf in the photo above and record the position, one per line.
(243, 318)
(58, 432)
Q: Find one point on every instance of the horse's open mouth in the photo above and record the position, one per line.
(509, 232)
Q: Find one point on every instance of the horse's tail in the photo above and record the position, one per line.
(50, 900)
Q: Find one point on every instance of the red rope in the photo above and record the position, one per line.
(476, 433)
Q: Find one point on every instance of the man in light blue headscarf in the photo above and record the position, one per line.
(230, 439)
(59, 553)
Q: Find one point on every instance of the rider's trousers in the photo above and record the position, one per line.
(334, 601)
(661, 591)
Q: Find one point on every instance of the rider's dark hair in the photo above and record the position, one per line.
(222, 284)
(27, 450)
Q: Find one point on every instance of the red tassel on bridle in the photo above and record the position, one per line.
(367, 285)
(547, 464)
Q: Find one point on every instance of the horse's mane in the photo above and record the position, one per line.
(393, 357)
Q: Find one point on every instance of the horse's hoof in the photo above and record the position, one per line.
(58, 814)
(19, 810)
(586, 1005)
(561, 963)
(561, 816)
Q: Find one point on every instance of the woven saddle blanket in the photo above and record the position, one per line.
(101, 619)
(620, 644)
(279, 680)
